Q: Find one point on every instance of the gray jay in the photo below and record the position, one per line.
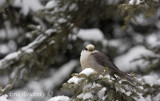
(91, 58)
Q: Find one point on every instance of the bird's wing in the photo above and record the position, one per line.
(103, 60)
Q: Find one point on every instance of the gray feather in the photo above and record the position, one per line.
(105, 61)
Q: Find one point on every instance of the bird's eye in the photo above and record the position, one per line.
(85, 48)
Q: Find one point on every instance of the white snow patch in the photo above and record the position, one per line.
(13, 55)
(101, 93)
(80, 96)
(4, 98)
(12, 46)
(153, 40)
(151, 80)
(29, 51)
(51, 4)
(66, 69)
(87, 86)
(72, 37)
(47, 84)
(62, 20)
(60, 98)
(39, 27)
(3, 80)
(21, 98)
(28, 5)
(16, 55)
(52, 42)
(141, 87)
(100, 76)
(74, 80)
(73, 7)
(34, 85)
(118, 43)
(137, 2)
(94, 85)
(38, 40)
(122, 90)
(128, 93)
(11, 31)
(91, 85)
(4, 49)
(3, 33)
(90, 34)
(2, 2)
(124, 61)
(87, 71)
(108, 76)
(140, 20)
(49, 31)
(85, 96)
(157, 98)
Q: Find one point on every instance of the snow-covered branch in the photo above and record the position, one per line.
(29, 49)
(88, 85)
(13, 59)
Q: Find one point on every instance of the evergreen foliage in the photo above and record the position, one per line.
(96, 87)
(131, 10)
(44, 40)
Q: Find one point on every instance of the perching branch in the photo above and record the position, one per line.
(88, 85)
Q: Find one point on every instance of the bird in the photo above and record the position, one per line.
(92, 58)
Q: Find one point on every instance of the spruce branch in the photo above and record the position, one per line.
(129, 11)
(87, 86)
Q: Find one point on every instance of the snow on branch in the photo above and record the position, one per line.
(137, 2)
(11, 81)
(131, 9)
(29, 49)
(54, 80)
(4, 98)
(89, 85)
(60, 98)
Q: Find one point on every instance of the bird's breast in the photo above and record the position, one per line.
(84, 59)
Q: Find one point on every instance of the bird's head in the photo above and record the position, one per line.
(89, 48)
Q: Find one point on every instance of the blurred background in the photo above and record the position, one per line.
(41, 41)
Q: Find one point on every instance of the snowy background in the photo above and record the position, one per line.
(17, 40)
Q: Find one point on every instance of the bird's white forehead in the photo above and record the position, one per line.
(90, 46)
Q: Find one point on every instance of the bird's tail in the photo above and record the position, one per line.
(129, 78)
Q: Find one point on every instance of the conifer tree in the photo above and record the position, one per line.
(48, 39)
